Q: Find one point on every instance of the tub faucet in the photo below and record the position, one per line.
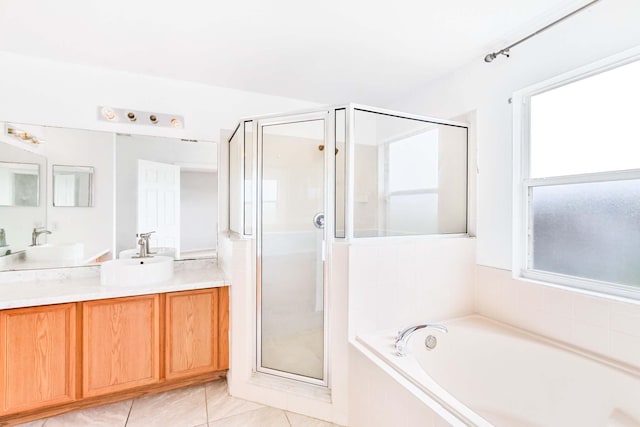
(35, 233)
(402, 339)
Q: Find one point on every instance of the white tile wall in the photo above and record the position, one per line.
(600, 325)
(378, 400)
(392, 284)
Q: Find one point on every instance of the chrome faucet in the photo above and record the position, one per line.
(402, 339)
(35, 233)
(144, 250)
(3, 238)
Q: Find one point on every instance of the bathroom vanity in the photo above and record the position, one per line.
(68, 342)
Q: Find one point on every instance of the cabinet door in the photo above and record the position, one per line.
(37, 351)
(120, 340)
(192, 332)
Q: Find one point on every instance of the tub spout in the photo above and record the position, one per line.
(402, 339)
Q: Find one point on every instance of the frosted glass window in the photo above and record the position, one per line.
(587, 126)
(413, 214)
(19, 184)
(581, 197)
(588, 230)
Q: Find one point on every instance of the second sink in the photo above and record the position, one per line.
(71, 252)
(136, 271)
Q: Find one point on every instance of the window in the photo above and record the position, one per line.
(411, 183)
(577, 183)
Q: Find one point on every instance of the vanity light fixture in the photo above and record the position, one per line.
(24, 136)
(131, 117)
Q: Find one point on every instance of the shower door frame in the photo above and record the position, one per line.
(328, 186)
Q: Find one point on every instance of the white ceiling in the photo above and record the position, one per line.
(330, 51)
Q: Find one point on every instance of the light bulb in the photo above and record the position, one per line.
(109, 114)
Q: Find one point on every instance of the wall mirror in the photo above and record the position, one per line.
(118, 185)
(19, 184)
(72, 186)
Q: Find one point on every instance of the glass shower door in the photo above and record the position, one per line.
(291, 267)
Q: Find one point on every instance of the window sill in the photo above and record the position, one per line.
(613, 292)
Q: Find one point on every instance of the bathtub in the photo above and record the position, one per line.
(485, 373)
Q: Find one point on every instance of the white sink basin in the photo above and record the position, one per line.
(71, 252)
(160, 251)
(136, 271)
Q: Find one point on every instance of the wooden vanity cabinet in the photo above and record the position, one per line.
(120, 344)
(37, 357)
(63, 357)
(196, 332)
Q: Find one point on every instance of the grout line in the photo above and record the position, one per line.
(206, 404)
(129, 413)
(287, 417)
(241, 413)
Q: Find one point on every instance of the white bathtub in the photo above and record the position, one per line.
(486, 373)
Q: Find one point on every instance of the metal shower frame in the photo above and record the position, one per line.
(328, 113)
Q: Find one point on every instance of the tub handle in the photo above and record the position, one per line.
(402, 339)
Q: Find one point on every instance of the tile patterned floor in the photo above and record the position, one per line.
(205, 405)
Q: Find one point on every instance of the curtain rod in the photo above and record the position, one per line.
(491, 56)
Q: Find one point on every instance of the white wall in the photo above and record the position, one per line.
(198, 210)
(604, 29)
(61, 94)
(19, 221)
(92, 226)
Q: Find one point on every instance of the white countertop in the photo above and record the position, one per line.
(67, 288)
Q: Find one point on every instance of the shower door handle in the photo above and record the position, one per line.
(318, 220)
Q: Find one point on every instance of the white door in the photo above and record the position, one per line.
(159, 203)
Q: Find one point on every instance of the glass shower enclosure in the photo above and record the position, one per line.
(300, 182)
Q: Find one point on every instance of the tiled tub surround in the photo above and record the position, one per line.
(55, 286)
(604, 326)
(399, 281)
(485, 373)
